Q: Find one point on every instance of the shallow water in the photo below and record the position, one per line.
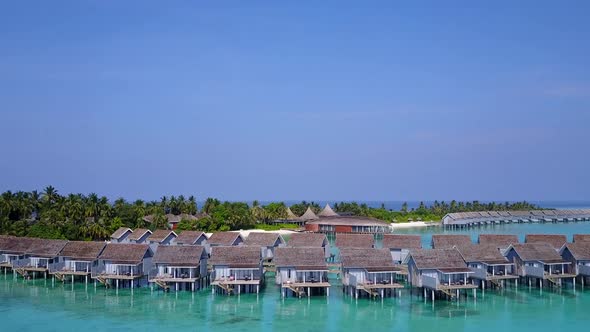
(36, 305)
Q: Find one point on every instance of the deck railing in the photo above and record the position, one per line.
(71, 266)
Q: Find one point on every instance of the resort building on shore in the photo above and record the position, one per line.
(489, 265)
(179, 267)
(501, 241)
(236, 269)
(121, 235)
(555, 240)
(347, 224)
(139, 236)
(581, 238)
(124, 264)
(161, 237)
(578, 254)
(445, 241)
(368, 271)
(267, 243)
(400, 245)
(439, 270)
(301, 271)
(192, 238)
(310, 240)
(39, 257)
(77, 259)
(345, 240)
(539, 261)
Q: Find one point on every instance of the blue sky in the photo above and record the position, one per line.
(275, 101)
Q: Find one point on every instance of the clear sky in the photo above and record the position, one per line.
(327, 100)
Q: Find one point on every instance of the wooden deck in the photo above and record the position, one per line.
(381, 286)
(119, 276)
(501, 277)
(454, 287)
(559, 276)
(166, 279)
(235, 282)
(306, 284)
(71, 273)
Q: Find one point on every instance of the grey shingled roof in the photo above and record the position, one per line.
(485, 253)
(344, 240)
(126, 253)
(542, 252)
(301, 258)
(120, 232)
(138, 234)
(555, 240)
(82, 250)
(438, 259)
(179, 255)
(500, 240)
(263, 239)
(398, 241)
(236, 256)
(442, 241)
(189, 237)
(223, 238)
(306, 240)
(160, 235)
(370, 259)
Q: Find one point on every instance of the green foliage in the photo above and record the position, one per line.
(300, 208)
(275, 227)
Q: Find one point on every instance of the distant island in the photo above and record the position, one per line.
(48, 214)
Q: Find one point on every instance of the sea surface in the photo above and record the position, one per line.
(40, 305)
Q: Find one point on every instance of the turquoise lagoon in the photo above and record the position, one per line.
(36, 305)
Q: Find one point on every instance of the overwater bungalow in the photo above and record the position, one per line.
(267, 243)
(76, 260)
(124, 264)
(502, 241)
(348, 224)
(301, 271)
(13, 249)
(121, 235)
(179, 267)
(39, 257)
(236, 269)
(444, 241)
(488, 264)
(368, 271)
(191, 238)
(539, 261)
(400, 245)
(327, 212)
(345, 240)
(555, 240)
(161, 237)
(581, 238)
(439, 270)
(578, 253)
(310, 240)
(139, 236)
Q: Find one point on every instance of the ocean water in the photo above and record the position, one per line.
(35, 305)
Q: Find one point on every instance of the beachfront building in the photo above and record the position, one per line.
(578, 254)
(368, 271)
(347, 224)
(539, 261)
(555, 240)
(179, 267)
(39, 257)
(442, 271)
(581, 238)
(121, 235)
(501, 241)
(191, 238)
(301, 271)
(123, 265)
(139, 236)
(161, 237)
(311, 240)
(76, 260)
(400, 245)
(236, 269)
(445, 241)
(267, 243)
(489, 265)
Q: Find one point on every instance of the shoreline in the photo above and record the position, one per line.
(414, 224)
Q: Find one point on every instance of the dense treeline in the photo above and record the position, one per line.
(48, 214)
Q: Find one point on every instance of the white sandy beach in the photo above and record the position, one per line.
(413, 224)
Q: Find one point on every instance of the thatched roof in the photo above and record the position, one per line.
(540, 251)
(484, 253)
(499, 240)
(555, 240)
(580, 250)
(397, 241)
(223, 238)
(300, 258)
(82, 250)
(291, 215)
(327, 212)
(120, 232)
(355, 241)
(372, 260)
(263, 239)
(436, 259)
(236, 256)
(307, 240)
(581, 237)
(125, 253)
(46, 248)
(189, 237)
(160, 235)
(442, 241)
(308, 215)
(138, 234)
(179, 255)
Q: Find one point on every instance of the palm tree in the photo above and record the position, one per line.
(50, 195)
